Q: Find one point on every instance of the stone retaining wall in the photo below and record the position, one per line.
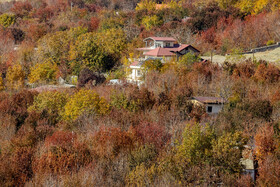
(262, 49)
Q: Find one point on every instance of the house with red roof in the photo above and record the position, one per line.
(162, 48)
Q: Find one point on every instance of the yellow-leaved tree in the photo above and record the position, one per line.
(2, 86)
(56, 45)
(85, 102)
(246, 6)
(151, 21)
(146, 5)
(15, 77)
(52, 102)
(43, 72)
(266, 5)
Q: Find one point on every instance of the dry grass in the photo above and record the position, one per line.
(270, 56)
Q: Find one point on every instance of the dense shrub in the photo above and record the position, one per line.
(17, 106)
(108, 143)
(63, 154)
(85, 102)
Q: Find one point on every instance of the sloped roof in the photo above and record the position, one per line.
(135, 63)
(167, 39)
(160, 52)
(183, 46)
(210, 100)
(167, 51)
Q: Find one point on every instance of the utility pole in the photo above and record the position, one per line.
(212, 54)
(253, 55)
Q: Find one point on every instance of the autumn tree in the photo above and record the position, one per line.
(2, 86)
(85, 102)
(17, 105)
(52, 102)
(21, 9)
(152, 65)
(86, 52)
(151, 21)
(196, 143)
(188, 59)
(7, 20)
(269, 172)
(43, 72)
(265, 142)
(57, 45)
(15, 77)
(227, 152)
(108, 143)
(63, 154)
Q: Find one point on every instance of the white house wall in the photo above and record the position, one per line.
(216, 108)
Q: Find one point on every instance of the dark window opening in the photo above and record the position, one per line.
(209, 109)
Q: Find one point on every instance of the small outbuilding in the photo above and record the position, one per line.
(212, 105)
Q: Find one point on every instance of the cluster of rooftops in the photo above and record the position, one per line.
(162, 48)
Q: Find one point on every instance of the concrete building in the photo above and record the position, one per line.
(212, 105)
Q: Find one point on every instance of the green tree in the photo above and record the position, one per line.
(227, 151)
(188, 59)
(57, 45)
(87, 52)
(197, 144)
(113, 41)
(153, 65)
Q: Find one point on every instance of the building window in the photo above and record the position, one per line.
(209, 109)
(167, 44)
(138, 73)
(158, 45)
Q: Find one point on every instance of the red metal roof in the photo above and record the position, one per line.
(183, 46)
(167, 39)
(160, 52)
(166, 51)
(134, 63)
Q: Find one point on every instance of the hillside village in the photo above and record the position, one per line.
(139, 93)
